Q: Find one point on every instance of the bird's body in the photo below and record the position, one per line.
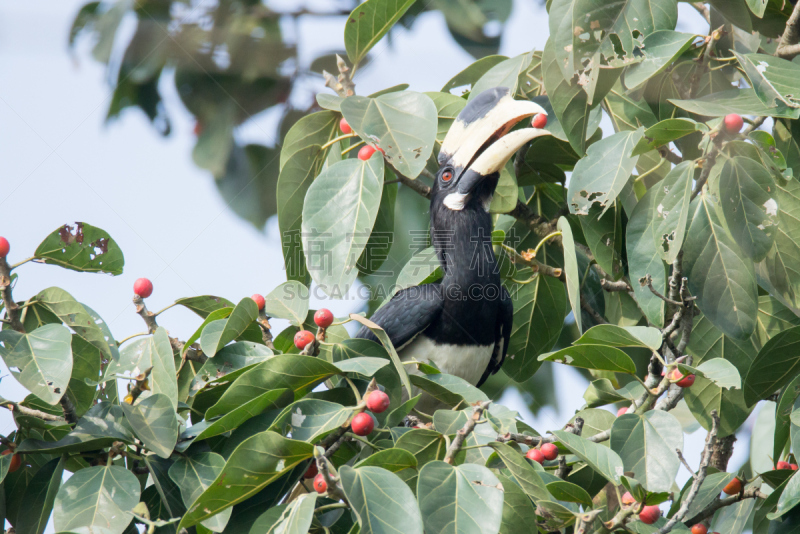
(462, 323)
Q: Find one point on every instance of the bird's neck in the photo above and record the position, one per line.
(463, 243)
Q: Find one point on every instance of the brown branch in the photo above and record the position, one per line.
(24, 410)
(12, 309)
(142, 385)
(342, 84)
(466, 430)
(618, 286)
(669, 155)
(648, 281)
(699, 477)
(148, 316)
(750, 493)
(599, 319)
(788, 47)
(266, 330)
(722, 452)
(703, 10)
(757, 122)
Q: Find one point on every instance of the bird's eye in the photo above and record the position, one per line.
(447, 176)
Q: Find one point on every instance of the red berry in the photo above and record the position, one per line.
(362, 424)
(681, 380)
(303, 338)
(377, 401)
(784, 465)
(622, 411)
(143, 287)
(650, 514)
(323, 318)
(16, 461)
(550, 451)
(312, 470)
(4, 247)
(627, 499)
(734, 123)
(366, 152)
(536, 455)
(793, 466)
(259, 300)
(699, 529)
(198, 128)
(344, 127)
(539, 121)
(319, 484)
(733, 487)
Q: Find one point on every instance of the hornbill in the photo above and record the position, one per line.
(462, 323)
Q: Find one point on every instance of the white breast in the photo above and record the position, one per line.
(464, 361)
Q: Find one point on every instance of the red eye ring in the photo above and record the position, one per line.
(447, 176)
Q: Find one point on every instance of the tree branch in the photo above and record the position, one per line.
(750, 493)
(12, 309)
(703, 10)
(469, 426)
(788, 47)
(24, 410)
(699, 477)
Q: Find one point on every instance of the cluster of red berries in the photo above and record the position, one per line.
(786, 465)
(547, 451)
(16, 460)
(366, 151)
(323, 319)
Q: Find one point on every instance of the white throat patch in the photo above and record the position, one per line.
(456, 201)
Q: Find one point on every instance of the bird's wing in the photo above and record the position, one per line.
(409, 312)
(502, 335)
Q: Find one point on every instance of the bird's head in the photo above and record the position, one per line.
(478, 146)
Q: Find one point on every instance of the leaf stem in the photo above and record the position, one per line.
(119, 343)
(12, 267)
(162, 310)
(333, 506)
(340, 138)
(346, 150)
(354, 388)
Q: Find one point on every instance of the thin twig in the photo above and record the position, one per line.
(466, 430)
(711, 438)
(788, 47)
(757, 122)
(611, 286)
(13, 313)
(24, 410)
(750, 493)
(648, 281)
(703, 10)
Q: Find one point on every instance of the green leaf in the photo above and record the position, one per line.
(741, 101)
(93, 496)
(571, 269)
(368, 23)
(403, 124)
(219, 333)
(504, 74)
(473, 73)
(99, 428)
(780, 272)
(732, 519)
(204, 304)
(618, 336)
(464, 499)
(556, 516)
(380, 500)
(293, 371)
(646, 443)
(539, 310)
(338, 214)
(665, 132)
(40, 360)
(518, 509)
(254, 464)
(601, 175)
(271, 400)
(40, 495)
(449, 389)
(393, 460)
(602, 392)
(230, 362)
(775, 366)
(758, 7)
(604, 236)
(311, 419)
(288, 301)
(746, 196)
(154, 421)
(672, 199)
(296, 518)
(774, 80)
(660, 48)
(524, 474)
(364, 365)
(722, 372)
(569, 492)
(161, 358)
(719, 275)
(313, 129)
(381, 334)
(598, 357)
(709, 491)
(569, 100)
(602, 459)
(77, 317)
(422, 268)
(193, 475)
(506, 194)
(81, 248)
(426, 445)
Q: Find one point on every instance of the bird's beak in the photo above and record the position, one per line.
(477, 145)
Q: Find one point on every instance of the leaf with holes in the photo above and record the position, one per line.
(660, 48)
(40, 360)
(81, 248)
(672, 198)
(776, 81)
